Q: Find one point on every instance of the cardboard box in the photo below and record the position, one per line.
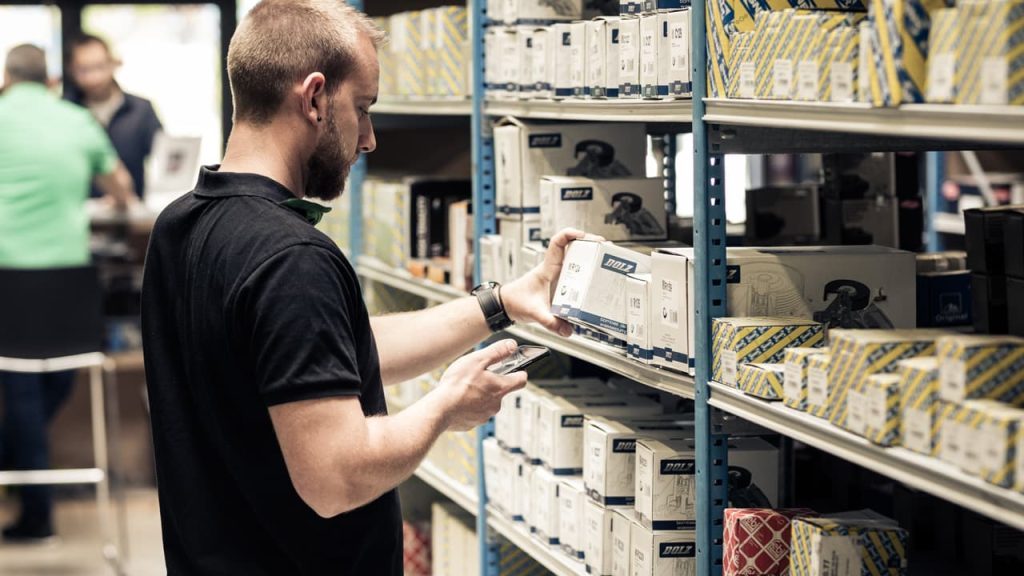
(997, 441)
(578, 59)
(674, 79)
(522, 483)
(899, 47)
(1013, 243)
(840, 75)
(757, 340)
(629, 58)
(619, 209)
(794, 385)
(531, 397)
(990, 306)
(855, 545)
(757, 540)
(542, 12)
(592, 287)
(818, 384)
(494, 475)
(544, 506)
(741, 81)
(1015, 306)
(944, 299)
(986, 240)
(622, 543)
(882, 395)
(490, 258)
(743, 12)
(976, 367)
(571, 497)
(510, 65)
(597, 521)
(762, 380)
(563, 38)
(526, 151)
(531, 255)
(944, 54)
(514, 235)
(670, 345)
(451, 44)
(603, 57)
(650, 37)
(919, 422)
(638, 317)
(992, 70)
(630, 7)
(542, 63)
(663, 553)
(527, 84)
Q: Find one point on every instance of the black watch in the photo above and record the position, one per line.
(489, 297)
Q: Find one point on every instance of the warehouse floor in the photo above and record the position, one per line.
(78, 551)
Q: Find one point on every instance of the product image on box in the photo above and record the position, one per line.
(616, 209)
(762, 380)
(755, 340)
(671, 553)
(862, 542)
(757, 540)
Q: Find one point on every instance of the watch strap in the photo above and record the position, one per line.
(492, 307)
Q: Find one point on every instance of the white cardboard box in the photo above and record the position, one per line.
(650, 37)
(638, 313)
(597, 534)
(618, 209)
(494, 470)
(544, 505)
(571, 497)
(669, 309)
(508, 64)
(674, 55)
(530, 255)
(492, 62)
(592, 288)
(622, 543)
(578, 59)
(663, 553)
(542, 63)
(520, 434)
(563, 59)
(526, 86)
(515, 234)
(603, 57)
(526, 151)
(629, 57)
(522, 484)
(542, 11)
(490, 258)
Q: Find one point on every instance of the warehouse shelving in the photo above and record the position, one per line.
(424, 107)
(604, 110)
(374, 269)
(548, 556)
(461, 495)
(916, 470)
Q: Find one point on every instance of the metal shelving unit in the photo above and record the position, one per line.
(373, 269)
(438, 480)
(604, 110)
(548, 556)
(424, 107)
(916, 470)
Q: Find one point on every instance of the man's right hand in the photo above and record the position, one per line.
(473, 394)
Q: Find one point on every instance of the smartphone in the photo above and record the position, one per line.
(523, 357)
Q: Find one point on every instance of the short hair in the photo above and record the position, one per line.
(280, 42)
(26, 63)
(87, 39)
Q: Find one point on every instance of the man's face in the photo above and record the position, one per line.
(348, 130)
(93, 69)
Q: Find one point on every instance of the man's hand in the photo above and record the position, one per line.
(528, 299)
(472, 393)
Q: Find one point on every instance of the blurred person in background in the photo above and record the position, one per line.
(50, 153)
(130, 121)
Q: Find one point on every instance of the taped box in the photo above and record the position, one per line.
(993, 70)
(592, 287)
(794, 385)
(757, 540)
(881, 396)
(629, 58)
(526, 151)
(762, 380)
(617, 209)
(571, 497)
(919, 406)
(975, 367)
(757, 340)
(638, 304)
(603, 57)
(663, 553)
(860, 543)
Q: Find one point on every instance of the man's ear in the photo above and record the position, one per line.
(314, 97)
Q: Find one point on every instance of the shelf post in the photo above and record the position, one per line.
(709, 247)
(934, 174)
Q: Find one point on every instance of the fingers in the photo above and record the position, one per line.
(556, 325)
(494, 353)
(510, 383)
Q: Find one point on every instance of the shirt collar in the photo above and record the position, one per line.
(28, 89)
(215, 184)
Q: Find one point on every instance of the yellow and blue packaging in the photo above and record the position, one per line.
(762, 380)
(794, 385)
(757, 340)
(899, 40)
(817, 384)
(992, 53)
(920, 405)
(865, 542)
(882, 394)
(977, 366)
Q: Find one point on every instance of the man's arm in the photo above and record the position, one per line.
(117, 185)
(413, 343)
(339, 460)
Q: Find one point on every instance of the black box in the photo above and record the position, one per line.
(783, 215)
(984, 235)
(944, 299)
(429, 203)
(989, 304)
(1013, 243)
(1015, 306)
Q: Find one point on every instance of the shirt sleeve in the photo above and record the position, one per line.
(102, 156)
(295, 309)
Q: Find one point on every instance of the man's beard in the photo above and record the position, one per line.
(329, 166)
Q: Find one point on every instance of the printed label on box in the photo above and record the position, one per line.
(856, 412)
(807, 80)
(835, 555)
(951, 438)
(782, 78)
(992, 442)
(792, 381)
(994, 72)
(748, 80)
(841, 75)
(941, 72)
(729, 367)
(1019, 465)
(952, 380)
(670, 297)
(917, 430)
(877, 409)
(817, 386)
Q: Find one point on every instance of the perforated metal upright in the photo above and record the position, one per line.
(709, 247)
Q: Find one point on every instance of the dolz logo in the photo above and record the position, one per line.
(566, 39)
(625, 446)
(577, 194)
(572, 421)
(621, 266)
(678, 467)
(615, 36)
(546, 141)
(732, 275)
(670, 550)
(535, 235)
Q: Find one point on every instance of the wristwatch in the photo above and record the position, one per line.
(488, 296)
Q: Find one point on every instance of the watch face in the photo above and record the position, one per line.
(484, 286)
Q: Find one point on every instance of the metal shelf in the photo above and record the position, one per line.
(676, 111)
(551, 557)
(915, 470)
(438, 480)
(52, 477)
(374, 269)
(982, 125)
(424, 107)
(609, 359)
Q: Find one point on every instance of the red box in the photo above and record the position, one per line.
(416, 548)
(756, 540)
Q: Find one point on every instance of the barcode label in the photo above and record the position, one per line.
(941, 74)
(842, 82)
(807, 80)
(817, 387)
(748, 80)
(782, 79)
(729, 367)
(994, 72)
(793, 382)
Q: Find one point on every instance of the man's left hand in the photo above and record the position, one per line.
(528, 299)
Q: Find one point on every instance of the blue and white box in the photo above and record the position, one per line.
(638, 314)
(578, 59)
(669, 325)
(650, 38)
(629, 57)
(663, 553)
(563, 38)
(674, 80)
(603, 57)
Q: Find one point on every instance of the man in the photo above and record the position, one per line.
(275, 453)
(50, 152)
(130, 121)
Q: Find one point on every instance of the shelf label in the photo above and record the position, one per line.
(993, 440)
(729, 368)
(807, 80)
(793, 382)
(994, 73)
(817, 387)
(917, 430)
(941, 75)
(782, 79)
(856, 412)
(841, 76)
(952, 380)
(748, 80)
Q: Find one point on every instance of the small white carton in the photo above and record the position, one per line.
(666, 490)
(542, 63)
(544, 506)
(597, 538)
(522, 483)
(578, 59)
(543, 11)
(669, 309)
(663, 553)
(603, 57)
(529, 398)
(530, 255)
(490, 258)
(622, 543)
(609, 463)
(592, 288)
(638, 312)
(571, 497)
(514, 235)
(494, 475)
(563, 59)
(526, 85)
(674, 79)
(508, 64)
(617, 209)
(629, 58)
(650, 37)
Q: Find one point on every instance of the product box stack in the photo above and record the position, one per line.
(427, 55)
(454, 547)
(861, 542)
(995, 255)
(757, 540)
(748, 352)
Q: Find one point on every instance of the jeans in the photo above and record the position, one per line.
(30, 403)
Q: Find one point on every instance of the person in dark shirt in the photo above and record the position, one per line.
(130, 121)
(274, 449)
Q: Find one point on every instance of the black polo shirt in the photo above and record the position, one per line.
(246, 305)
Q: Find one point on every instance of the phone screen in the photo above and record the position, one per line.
(518, 360)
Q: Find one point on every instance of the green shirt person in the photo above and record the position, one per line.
(50, 153)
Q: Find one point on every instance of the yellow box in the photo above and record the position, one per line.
(719, 16)
(945, 53)
(919, 406)
(757, 340)
(840, 72)
(899, 38)
(745, 11)
(992, 62)
(996, 441)
(794, 386)
(818, 385)
(407, 43)
(742, 81)
(452, 50)
(958, 427)
(981, 367)
(882, 395)
(761, 380)
(777, 36)
(880, 543)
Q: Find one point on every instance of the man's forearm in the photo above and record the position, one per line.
(413, 343)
